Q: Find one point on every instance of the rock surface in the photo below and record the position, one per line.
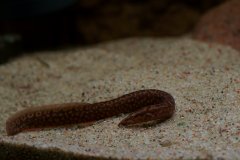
(221, 25)
(204, 80)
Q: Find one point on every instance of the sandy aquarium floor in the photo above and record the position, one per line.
(203, 78)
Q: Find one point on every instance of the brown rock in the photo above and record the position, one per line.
(221, 25)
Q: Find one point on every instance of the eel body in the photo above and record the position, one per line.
(144, 106)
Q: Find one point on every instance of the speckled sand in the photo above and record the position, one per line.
(204, 80)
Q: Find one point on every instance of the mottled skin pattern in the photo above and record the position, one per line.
(144, 106)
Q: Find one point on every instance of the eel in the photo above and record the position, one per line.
(144, 106)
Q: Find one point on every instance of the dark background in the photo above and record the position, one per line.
(32, 25)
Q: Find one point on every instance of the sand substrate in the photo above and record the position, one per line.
(203, 78)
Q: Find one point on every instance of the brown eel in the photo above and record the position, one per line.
(144, 106)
